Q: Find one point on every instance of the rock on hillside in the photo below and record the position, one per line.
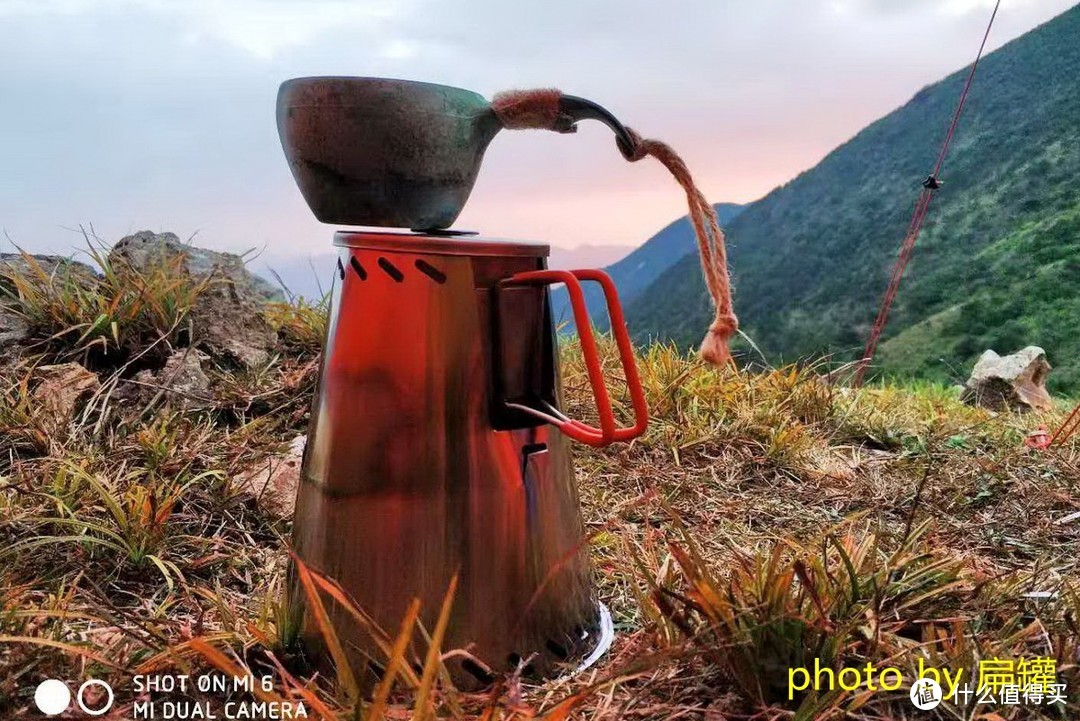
(1016, 381)
(51, 265)
(14, 329)
(140, 248)
(226, 320)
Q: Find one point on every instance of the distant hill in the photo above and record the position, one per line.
(634, 273)
(997, 264)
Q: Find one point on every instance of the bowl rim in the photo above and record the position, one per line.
(309, 80)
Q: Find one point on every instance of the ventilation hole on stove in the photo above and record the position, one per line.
(431, 271)
(558, 650)
(391, 270)
(357, 268)
(340, 269)
(477, 671)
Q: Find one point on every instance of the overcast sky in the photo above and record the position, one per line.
(159, 114)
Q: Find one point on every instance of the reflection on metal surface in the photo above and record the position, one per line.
(416, 469)
(605, 637)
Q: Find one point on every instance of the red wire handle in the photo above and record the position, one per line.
(607, 433)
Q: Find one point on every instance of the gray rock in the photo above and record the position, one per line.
(181, 382)
(183, 376)
(143, 248)
(52, 265)
(1013, 382)
(227, 320)
(14, 330)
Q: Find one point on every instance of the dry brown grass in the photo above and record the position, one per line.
(750, 494)
(764, 520)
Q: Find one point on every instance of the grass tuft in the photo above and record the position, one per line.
(101, 320)
(766, 520)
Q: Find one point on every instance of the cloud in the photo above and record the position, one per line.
(265, 29)
(262, 28)
(159, 113)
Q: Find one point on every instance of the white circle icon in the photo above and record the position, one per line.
(109, 698)
(926, 694)
(52, 697)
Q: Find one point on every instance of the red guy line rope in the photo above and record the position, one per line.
(915, 226)
(1067, 428)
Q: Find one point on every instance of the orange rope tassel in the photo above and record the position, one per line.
(518, 109)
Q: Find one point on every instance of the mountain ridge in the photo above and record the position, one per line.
(811, 259)
(634, 273)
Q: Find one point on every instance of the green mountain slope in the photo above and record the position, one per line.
(634, 273)
(996, 264)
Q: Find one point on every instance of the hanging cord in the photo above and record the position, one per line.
(520, 109)
(1067, 428)
(931, 184)
(1042, 439)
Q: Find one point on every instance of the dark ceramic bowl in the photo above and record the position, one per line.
(379, 152)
